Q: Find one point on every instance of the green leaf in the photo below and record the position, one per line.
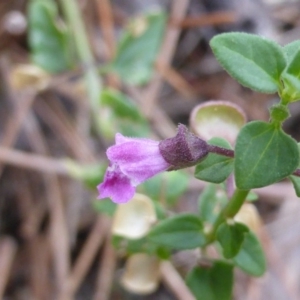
(251, 258)
(105, 206)
(291, 91)
(291, 75)
(215, 168)
(264, 154)
(231, 238)
(251, 197)
(296, 179)
(90, 175)
(296, 183)
(124, 113)
(180, 232)
(210, 203)
(211, 283)
(168, 186)
(49, 43)
(294, 55)
(290, 50)
(253, 61)
(139, 47)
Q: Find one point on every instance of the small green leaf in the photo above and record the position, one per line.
(253, 61)
(211, 283)
(89, 174)
(105, 206)
(49, 43)
(291, 91)
(294, 65)
(231, 238)
(215, 168)
(139, 47)
(264, 154)
(251, 197)
(180, 232)
(124, 113)
(291, 75)
(296, 179)
(210, 203)
(251, 258)
(168, 186)
(296, 183)
(290, 50)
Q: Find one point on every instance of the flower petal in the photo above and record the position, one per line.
(138, 159)
(116, 186)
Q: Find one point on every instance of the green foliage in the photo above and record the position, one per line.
(251, 258)
(167, 187)
(89, 174)
(49, 41)
(253, 61)
(212, 283)
(142, 245)
(231, 237)
(296, 179)
(279, 112)
(210, 203)
(291, 76)
(180, 232)
(290, 50)
(264, 154)
(296, 183)
(105, 206)
(120, 114)
(215, 168)
(138, 49)
(251, 197)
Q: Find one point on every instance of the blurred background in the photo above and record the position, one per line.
(75, 72)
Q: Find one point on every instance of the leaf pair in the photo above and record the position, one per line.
(243, 247)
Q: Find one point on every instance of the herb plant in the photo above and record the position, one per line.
(263, 154)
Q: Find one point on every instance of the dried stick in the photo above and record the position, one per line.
(33, 161)
(59, 122)
(15, 122)
(178, 11)
(106, 271)
(87, 255)
(175, 80)
(212, 19)
(39, 267)
(161, 121)
(107, 25)
(8, 248)
(174, 281)
(58, 235)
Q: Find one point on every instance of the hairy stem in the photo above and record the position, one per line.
(220, 151)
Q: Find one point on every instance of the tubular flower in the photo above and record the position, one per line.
(134, 160)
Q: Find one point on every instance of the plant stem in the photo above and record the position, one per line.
(93, 82)
(220, 150)
(229, 211)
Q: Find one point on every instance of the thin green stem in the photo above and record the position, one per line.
(229, 211)
(93, 82)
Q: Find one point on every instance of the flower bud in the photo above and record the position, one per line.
(183, 150)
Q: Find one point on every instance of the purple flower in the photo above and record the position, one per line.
(132, 161)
